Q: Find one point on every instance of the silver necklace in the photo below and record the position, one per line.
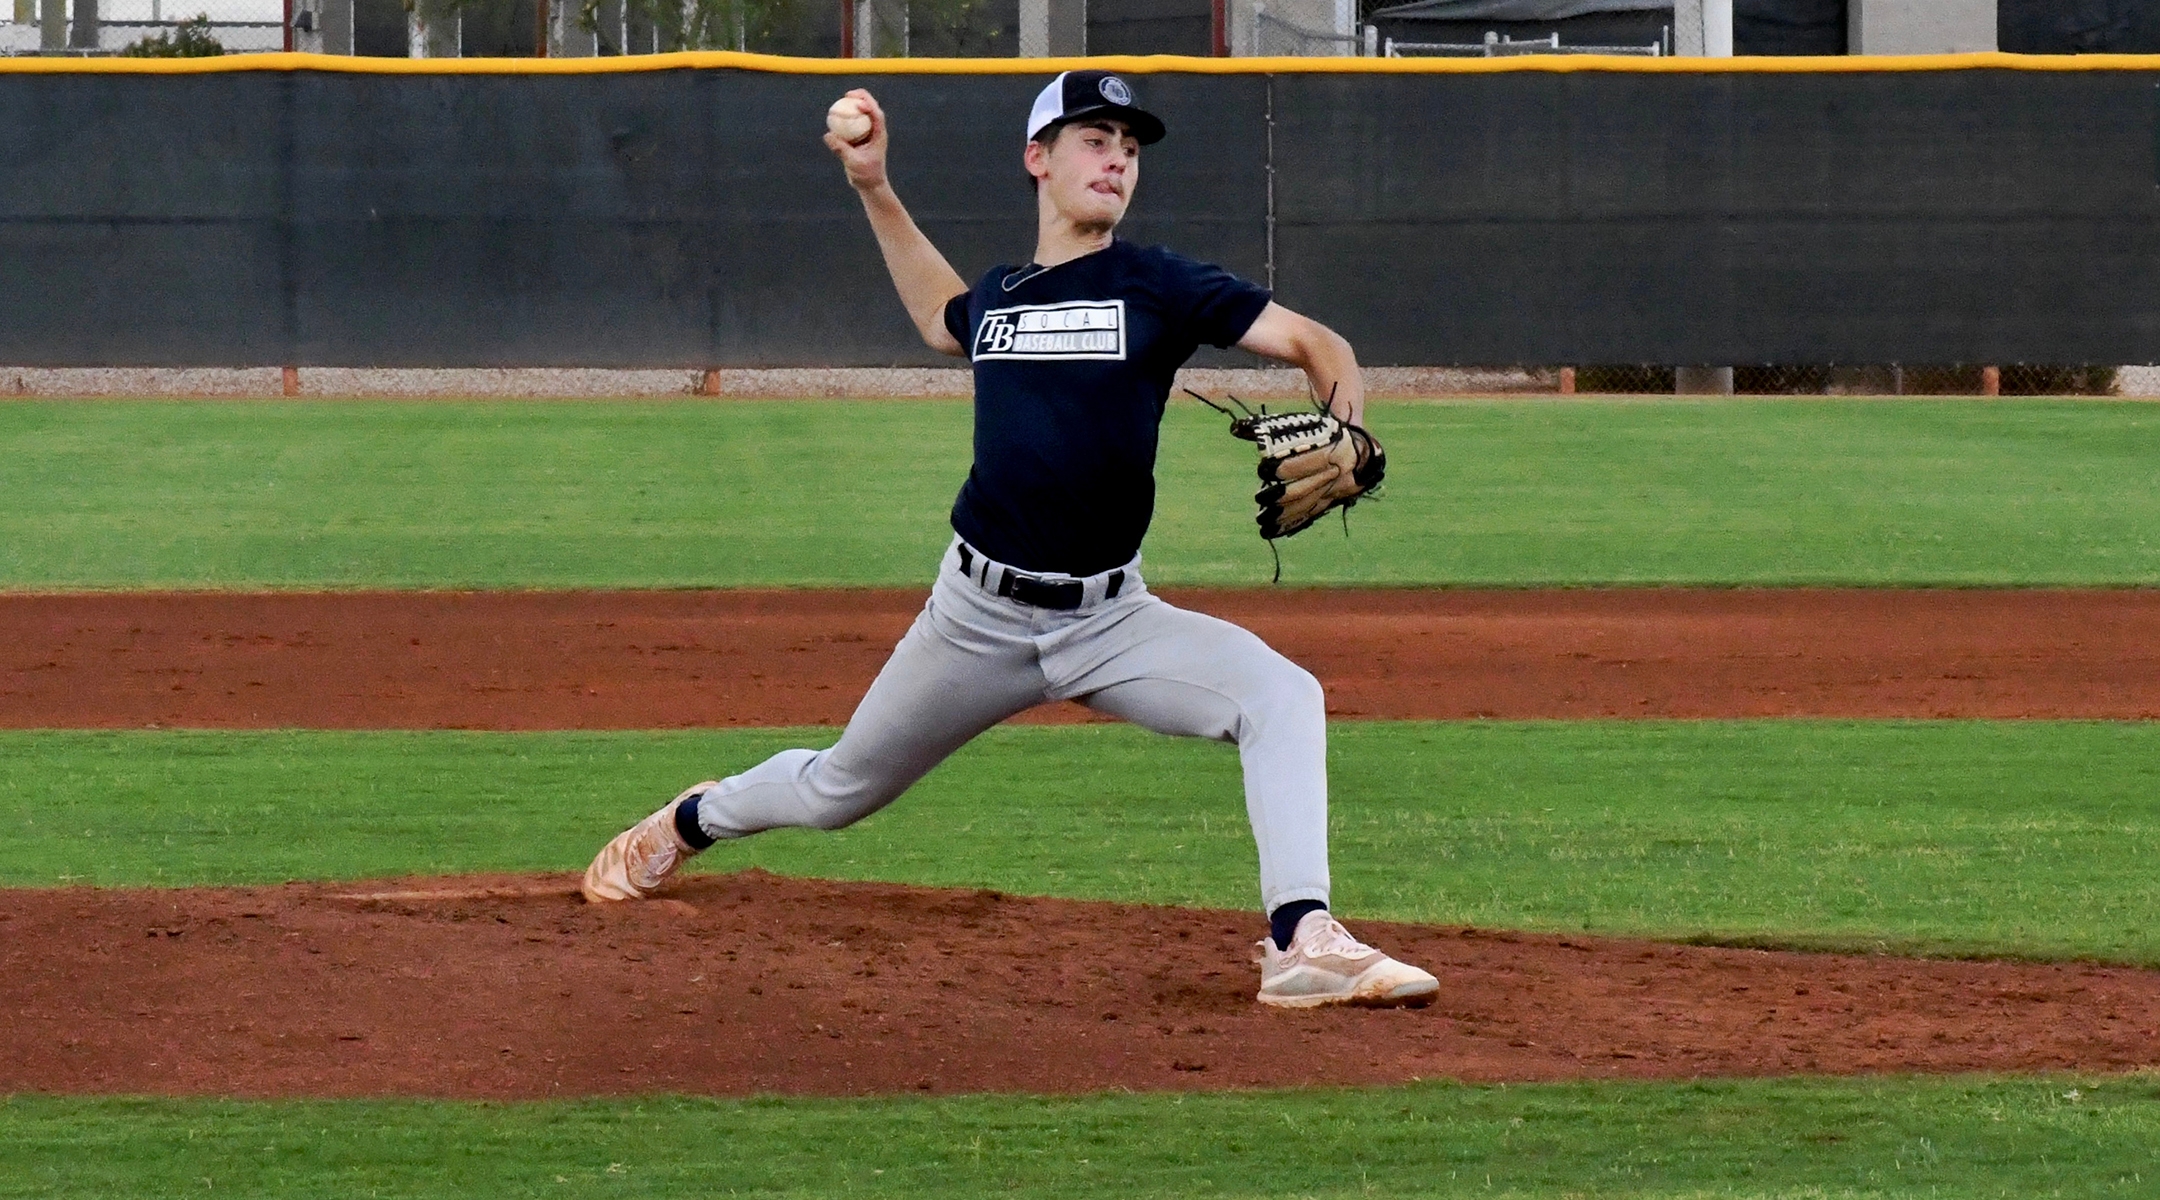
(1031, 270)
(1022, 275)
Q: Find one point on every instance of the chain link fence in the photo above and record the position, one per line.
(2008, 379)
(157, 28)
(1279, 36)
(1497, 46)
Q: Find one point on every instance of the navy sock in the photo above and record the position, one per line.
(686, 825)
(1284, 919)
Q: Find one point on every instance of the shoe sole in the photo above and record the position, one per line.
(593, 896)
(1409, 995)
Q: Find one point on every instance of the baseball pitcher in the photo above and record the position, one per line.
(1040, 596)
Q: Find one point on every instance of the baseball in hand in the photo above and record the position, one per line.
(848, 121)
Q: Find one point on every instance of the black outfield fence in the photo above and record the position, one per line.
(682, 212)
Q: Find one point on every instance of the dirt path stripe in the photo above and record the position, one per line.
(512, 988)
(621, 660)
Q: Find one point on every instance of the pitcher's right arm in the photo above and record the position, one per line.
(925, 281)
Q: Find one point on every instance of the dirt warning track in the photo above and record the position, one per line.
(616, 660)
(511, 987)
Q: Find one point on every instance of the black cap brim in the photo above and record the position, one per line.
(1147, 128)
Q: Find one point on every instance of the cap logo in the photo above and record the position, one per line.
(1114, 90)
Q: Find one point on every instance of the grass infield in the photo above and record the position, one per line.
(682, 494)
(1818, 1139)
(2030, 839)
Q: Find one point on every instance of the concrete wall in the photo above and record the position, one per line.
(433, 30)
(1250, 34)
(332, 31)
(336, 20)
(1920, 26)
(1051, 28)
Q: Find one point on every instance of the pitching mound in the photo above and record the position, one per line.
(510, 987)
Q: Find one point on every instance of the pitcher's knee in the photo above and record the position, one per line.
(1294, 691)
(1311, 697)
(1285, 694)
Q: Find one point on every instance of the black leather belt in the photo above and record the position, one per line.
(1061, 595)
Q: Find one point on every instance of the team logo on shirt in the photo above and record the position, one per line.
(1076, 329)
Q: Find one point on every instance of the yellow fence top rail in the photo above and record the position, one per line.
(1132, 64)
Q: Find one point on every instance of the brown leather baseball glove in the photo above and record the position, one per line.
(1311, 463)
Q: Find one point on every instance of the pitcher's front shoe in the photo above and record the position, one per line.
(642, 857)
(1325, 965)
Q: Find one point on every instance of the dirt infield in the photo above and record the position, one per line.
(510, 987)
(614, 660)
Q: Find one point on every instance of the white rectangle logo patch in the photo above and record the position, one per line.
(1077, 329)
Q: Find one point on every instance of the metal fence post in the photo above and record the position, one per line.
(83, 30)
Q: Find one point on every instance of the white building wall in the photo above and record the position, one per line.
(1702, 28)
(1920, 26)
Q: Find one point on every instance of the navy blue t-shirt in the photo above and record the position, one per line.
(1073, 365)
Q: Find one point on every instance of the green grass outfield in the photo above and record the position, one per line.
(739, 493)
(2022, 838)
(2033, 838)
(1798, 1140)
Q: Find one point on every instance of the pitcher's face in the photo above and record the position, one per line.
(1087, 174)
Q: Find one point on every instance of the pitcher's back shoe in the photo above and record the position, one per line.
(642, 857)
(1325, 965)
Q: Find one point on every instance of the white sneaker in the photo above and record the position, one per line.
(642, 857)
(1325, 965)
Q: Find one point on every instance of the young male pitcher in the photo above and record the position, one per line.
(1039, 597)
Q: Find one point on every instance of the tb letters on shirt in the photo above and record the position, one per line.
(1075, 329)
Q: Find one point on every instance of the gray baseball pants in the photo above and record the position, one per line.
(973, 659)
